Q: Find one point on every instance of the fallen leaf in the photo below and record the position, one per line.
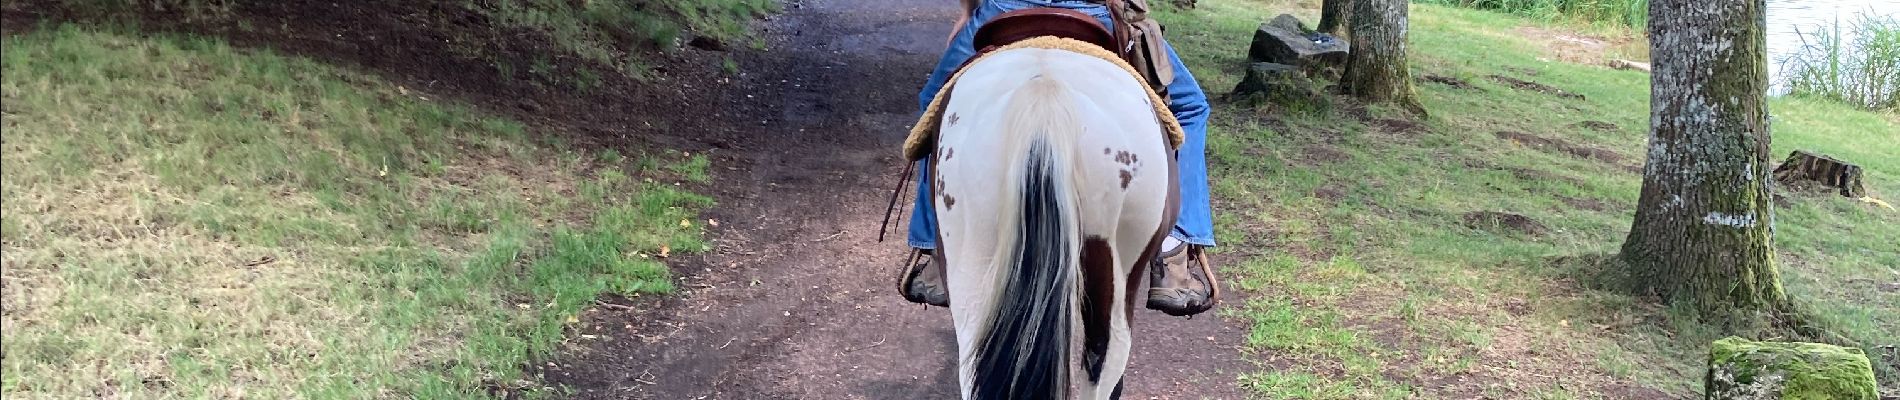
(686, 223)
(712, 222)
(573, 319)
(665, 250)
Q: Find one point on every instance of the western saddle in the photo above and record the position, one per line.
(1014, 26)
(1135, 38)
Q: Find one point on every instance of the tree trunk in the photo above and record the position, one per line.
(1376, 69)
(1704, 230)
(1333, 15)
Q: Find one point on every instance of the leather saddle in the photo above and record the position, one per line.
(1015, 26)
(1135, 37)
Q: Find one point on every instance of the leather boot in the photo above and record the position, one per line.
(922, 280)
(1180, 283)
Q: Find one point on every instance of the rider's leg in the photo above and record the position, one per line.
(922, 280)
(1182, 283)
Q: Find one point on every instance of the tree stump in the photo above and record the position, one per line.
(1742, 369)
(1804, 166)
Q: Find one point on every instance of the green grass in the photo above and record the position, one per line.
(1349, 231)
(186, 219)
(1865, 72)
(1627, 13)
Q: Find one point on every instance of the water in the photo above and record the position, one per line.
(1786, 17)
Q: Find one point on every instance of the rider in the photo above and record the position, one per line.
(1181, 282)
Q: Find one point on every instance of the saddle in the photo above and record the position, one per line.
(1135, 45)
(1136, 39)
(1015, 26)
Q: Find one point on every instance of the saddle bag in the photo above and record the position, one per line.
(1142, 46)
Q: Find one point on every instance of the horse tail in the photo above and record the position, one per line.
(1025, 352)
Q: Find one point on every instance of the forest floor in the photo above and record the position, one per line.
(330, 203)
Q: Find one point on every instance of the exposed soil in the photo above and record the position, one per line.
(1453, 82)
(1585, 204)
(1568, 46)
(798, 299)
(1397, 125)
(1521, 84)
(1320, 154)
(1493, 220)
(1598, 126)
(1560, 145)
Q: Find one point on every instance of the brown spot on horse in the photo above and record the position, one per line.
(1126, 176)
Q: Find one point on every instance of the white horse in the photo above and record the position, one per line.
(1054, 184)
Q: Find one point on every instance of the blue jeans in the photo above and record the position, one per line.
(1194, 225)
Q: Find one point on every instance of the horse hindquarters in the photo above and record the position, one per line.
(1039, 228)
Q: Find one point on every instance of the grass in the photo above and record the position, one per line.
(1864, 72)
(1625, 13)
(614, 36)
(599, 31)
(1347, 226)
(186, 219)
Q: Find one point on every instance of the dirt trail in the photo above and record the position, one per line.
(798, 298)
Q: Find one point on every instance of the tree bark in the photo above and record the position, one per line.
(1376, 69)
(1704, 229)
(1333, 15)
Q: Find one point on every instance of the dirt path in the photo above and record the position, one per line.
(798, 298)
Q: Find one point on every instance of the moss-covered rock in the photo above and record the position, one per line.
(1742, 369)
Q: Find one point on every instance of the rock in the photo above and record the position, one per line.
(1742, 369)
(1278, 84)
(1317, 54)
(1803, 167)
(1289, 23)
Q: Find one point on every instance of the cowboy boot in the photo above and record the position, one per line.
(922, 281)
(1180, 283)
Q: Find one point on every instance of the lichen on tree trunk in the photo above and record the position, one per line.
(1704, 227)
(1333, 16)
(1376, 69)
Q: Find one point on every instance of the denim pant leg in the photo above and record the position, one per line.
(1194, 224)
(923, 218)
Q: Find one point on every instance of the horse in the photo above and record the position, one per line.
(1039, 231)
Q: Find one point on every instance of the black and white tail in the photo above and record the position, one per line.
(1025, 353)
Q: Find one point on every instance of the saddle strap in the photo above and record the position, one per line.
(909, 170)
